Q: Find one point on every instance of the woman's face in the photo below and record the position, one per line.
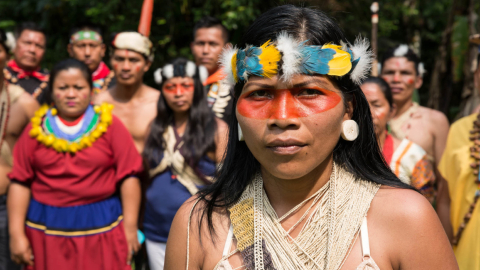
(71, 93)
(291, 128)
(178, 93)
(379, 106)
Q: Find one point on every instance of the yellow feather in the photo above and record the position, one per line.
(341, 63)
(269, 59)
(234, 67)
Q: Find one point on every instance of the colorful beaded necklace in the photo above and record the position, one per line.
(47, 130)
(474, 153)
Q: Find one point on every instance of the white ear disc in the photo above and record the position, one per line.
(240, 134)
(350, 130)
(168, 71)
(190, 68)
(203, 73)
(157, 75)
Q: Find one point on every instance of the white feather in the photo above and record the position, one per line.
(291, 55)
(360, 50)
(226, 63)
(157, 75)
(190, 68)
(401, 50)
(202, 73)
(10, 42)
(168, 71)
(421, 69)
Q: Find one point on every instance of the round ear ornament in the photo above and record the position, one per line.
(350, 130)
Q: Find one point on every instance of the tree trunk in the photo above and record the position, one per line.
(470, 95)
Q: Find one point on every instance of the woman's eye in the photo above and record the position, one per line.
(63, 87)
(78, 87)
(260, 94)
(310, 92)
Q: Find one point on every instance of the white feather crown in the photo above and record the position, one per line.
(297, 58)
(168, 72)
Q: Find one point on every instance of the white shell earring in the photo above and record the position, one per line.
(350, 130)
(240, 134)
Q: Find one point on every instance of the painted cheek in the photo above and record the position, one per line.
(410, 81)
(138, 68)
(284, 105)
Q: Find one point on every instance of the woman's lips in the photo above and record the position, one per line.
(71, 104)
(285, 147)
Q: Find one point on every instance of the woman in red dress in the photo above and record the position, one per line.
(74, 198)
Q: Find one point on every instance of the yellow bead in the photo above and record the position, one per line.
(85, 142)
(97, 109)
(35, 131)
(73, 147)
(54, 111)
(49, 139)
(102, 127)
(96, 134)
(106, 118)
(40, 137)
(36, 120)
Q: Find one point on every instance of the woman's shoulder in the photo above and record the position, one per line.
(190, 227)
(404, 224)
(401, 204)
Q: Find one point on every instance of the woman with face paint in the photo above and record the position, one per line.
(303, 184)
(185, 144)
(406, 159)
(74, 198)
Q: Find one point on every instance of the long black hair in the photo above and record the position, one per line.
(361, 157)
(199, 135)
(384, 87)
(66, 65)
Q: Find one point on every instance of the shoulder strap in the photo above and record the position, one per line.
(228, 243)
(364, 236)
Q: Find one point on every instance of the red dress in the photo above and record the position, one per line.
(74, 220)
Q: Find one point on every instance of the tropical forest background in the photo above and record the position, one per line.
(437, 29)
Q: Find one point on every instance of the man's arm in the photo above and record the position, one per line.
(440, 128)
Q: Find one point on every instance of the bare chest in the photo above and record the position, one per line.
(418, 130)
(136, 118)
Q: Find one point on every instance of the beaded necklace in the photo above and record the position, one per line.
(474, 153)
(10, 77)
(95, 122)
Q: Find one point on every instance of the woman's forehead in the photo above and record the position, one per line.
(297, 81)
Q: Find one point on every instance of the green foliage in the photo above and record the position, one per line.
(173, 21)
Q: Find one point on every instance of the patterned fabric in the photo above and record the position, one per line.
(102, 77)
(412, 166)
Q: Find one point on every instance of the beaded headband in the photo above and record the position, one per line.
(85, 35)
(297, 58)
(189, 70)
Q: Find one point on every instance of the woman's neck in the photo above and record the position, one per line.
(381, 138)
(284, 194)
(180, 120)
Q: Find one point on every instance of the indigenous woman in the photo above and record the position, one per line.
(406, 159)
(303, 174)
(74, 198)
(185, 144)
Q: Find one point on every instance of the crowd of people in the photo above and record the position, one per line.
(270, 154)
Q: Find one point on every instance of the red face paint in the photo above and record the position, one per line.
(177, 89)
(410, 81)
(286, 103)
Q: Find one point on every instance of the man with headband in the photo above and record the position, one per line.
(86, 44)
(24, 70)
(16, 109)
(135, 103)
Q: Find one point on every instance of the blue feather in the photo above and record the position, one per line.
(315, 60)
(252, 62)
(241, 64)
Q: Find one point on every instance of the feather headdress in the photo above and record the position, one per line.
(296, 58)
